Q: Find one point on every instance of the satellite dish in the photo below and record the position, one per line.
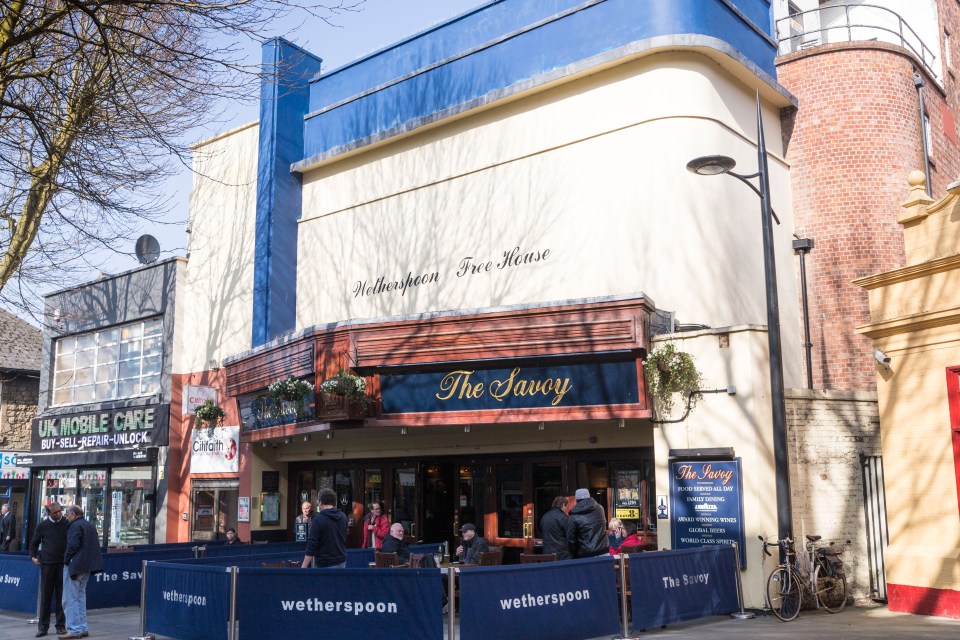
(147, 249)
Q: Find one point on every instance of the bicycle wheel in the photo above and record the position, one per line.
(783, 594)
(831, 591)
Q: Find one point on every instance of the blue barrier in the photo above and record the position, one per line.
(253, 549)
(163, 546)
(672, 586)
(347, 603)
(569, 600)
(19, 583)
(246, 560)
(187, 602)
(119, 584)
(359, 558)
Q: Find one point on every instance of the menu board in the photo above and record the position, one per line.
(706, 504)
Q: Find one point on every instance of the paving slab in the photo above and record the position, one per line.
(855, 623)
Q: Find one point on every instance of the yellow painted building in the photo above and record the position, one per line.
(914, 322)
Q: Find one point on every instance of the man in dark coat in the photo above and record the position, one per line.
(587, 528)
(394, 543)
(472, 545)
(47, 548)
(8, 527)
(553, 528)
(81, 560)
(327, 540)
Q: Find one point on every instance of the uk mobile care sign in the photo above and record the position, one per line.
(215, 450)
(144, 426)
(706, 500)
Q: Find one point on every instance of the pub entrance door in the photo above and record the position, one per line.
(452, 495)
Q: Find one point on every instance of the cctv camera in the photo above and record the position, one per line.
(881, 357)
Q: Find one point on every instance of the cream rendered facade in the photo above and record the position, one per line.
(567, 170)
(914, 319)
(216, 322)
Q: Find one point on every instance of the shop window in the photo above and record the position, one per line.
(57, 485)
(547, 480)
(92, 499)
(129, 508)
(404, 495)
(510, 500)
(119, 362)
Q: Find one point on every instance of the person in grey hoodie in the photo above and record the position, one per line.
(587, 527)
(327, 540)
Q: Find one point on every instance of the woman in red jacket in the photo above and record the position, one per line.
(376, 527)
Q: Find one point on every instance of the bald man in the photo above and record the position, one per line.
(394, 543)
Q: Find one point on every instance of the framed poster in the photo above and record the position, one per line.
(269, 508)
(627, 496)
(706, 504)
(243, 509)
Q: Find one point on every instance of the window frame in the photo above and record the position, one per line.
(113, 364)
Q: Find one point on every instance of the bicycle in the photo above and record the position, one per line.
(820, 576)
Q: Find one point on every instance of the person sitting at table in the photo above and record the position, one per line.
(472, 546)
(632, 539)
(394, 543)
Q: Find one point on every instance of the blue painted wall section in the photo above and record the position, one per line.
(514, 44)
(284, 97)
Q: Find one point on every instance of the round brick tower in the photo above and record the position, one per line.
(851, 144)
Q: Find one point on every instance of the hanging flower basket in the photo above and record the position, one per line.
(209, 415)
(290, 392)
(670, 372)
(346, 384)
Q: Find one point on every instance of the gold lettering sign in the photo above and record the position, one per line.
(458, 385)
(705, 472)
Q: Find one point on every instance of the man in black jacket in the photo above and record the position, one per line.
(472, 546)
(553, 528)
(8, 527)
(394, 543)
(327, 540)
(587, 527)
(47, 547)
(81, 560)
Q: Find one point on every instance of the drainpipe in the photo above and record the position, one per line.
(919, 83)
(801, 247)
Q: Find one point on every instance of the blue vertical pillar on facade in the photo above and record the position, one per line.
(284, 93)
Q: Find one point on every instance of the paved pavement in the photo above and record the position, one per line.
(865, 622)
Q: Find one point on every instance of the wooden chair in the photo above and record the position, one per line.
(492, 558)
(416, 561)
(386, 560)
(528, 558)
(630, 548)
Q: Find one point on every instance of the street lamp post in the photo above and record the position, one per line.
(716, 165)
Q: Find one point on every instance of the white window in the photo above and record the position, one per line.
(946, 48)
(119, 362)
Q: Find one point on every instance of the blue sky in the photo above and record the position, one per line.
(375, 25)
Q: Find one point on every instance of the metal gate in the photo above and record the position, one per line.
(875, 514)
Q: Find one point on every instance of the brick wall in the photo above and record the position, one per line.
(828, 431)
(851, 143)
(18, 407)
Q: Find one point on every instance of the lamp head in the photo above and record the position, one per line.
(711, 165)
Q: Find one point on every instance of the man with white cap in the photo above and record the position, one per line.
(587, 527)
